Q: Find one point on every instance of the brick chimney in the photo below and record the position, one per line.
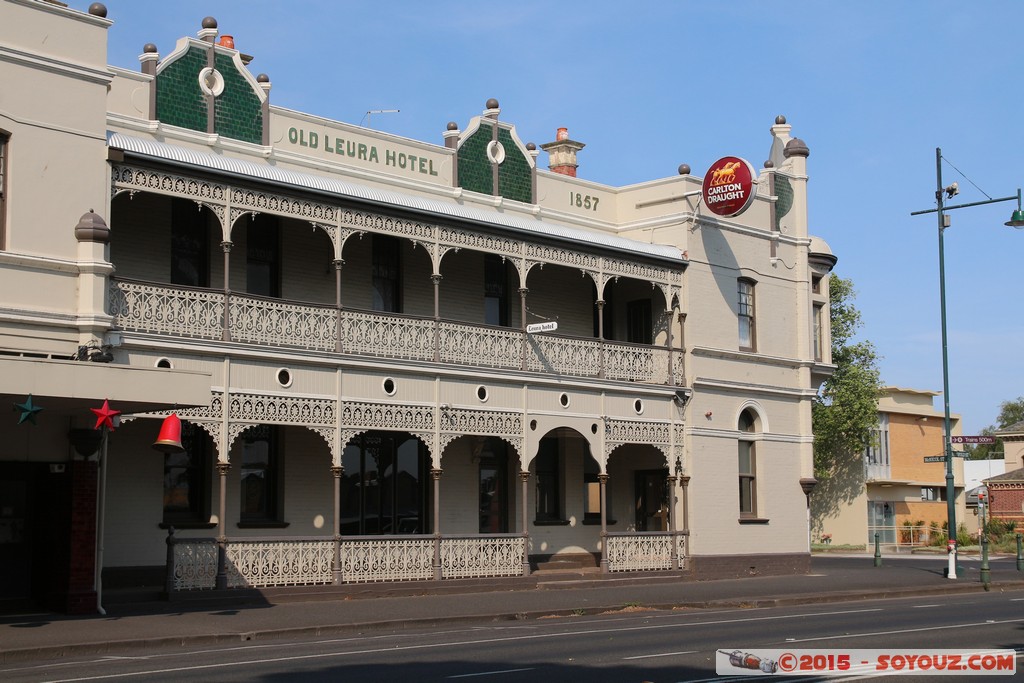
(562, 153)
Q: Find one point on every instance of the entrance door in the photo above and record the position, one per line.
(651, 500)
(34, 535)
(881, 520)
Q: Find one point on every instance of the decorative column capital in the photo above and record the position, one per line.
(337, 471)
(524, 476)
(435, 473)
(523, 291)
(603, 478)
(338, 263)
(684, 480)
(223, 468)
(226, 246)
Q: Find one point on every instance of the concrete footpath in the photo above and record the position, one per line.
(137, 619)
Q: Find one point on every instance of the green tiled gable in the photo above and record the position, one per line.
(179, 100)
(514, 176)
(239, 114)
(474, 166)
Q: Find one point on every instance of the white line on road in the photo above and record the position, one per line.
(482, 641)
(663, 654)
(924, 606)
(907, 630)
(491, 673)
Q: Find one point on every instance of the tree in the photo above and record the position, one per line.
(1010, 413)
(845, 412)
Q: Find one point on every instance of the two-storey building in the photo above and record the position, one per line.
(897, 489)
(393, 360)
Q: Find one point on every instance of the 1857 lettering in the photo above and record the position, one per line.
(584, 201)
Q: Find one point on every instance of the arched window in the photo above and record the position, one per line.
(747, 465)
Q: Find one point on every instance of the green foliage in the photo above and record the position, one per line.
(846, 409)
(1010, 413)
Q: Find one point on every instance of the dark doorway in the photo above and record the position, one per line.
(34, 534)
(651, 500)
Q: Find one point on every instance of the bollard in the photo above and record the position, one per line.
(986, 575)
(878, 552)
(1020, 558)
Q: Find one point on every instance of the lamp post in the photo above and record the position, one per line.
(1016, 221)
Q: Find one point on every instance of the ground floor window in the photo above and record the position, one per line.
(261, 475)
(592, 490)
(549, 481)
(384, 489)
(187, 479)
(494, 486)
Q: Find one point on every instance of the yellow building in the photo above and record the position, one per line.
(900, 492)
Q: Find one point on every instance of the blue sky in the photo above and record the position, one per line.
(873, 88)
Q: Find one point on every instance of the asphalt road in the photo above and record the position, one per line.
(630, 644)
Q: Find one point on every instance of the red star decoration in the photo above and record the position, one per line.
(105, 416)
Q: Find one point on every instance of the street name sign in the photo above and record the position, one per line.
(934, 458)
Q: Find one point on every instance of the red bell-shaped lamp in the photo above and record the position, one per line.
(169, 439)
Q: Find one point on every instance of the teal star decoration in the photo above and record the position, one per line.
(28, 410)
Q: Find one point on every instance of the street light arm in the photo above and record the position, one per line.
(964, 206)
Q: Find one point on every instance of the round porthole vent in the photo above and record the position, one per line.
(284, 377)
(563, 400)
(495, 152)
(389, 387)
(211, 82)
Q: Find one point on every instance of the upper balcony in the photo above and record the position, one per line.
(275, 323)
(200, 253)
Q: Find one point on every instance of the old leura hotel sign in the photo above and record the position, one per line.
(729, 186)
(360, 150)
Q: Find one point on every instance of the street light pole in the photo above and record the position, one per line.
(947, 443)
(1016, 221)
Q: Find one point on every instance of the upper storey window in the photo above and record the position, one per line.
(4, 139)
(745, 314)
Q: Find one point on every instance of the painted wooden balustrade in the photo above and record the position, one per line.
(199, 313)
(260, 563)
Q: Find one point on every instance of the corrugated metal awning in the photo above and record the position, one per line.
(347, 190)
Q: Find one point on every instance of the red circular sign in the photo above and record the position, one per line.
(729, 186)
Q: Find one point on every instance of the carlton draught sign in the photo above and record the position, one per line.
(729, 186)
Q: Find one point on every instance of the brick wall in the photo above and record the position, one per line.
(81, 595)
(1007, 501)
(742, 566)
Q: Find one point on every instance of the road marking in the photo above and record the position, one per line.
(449, 644)
(907, 630)
(662, 654)
(924, 606)
(490, 673)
